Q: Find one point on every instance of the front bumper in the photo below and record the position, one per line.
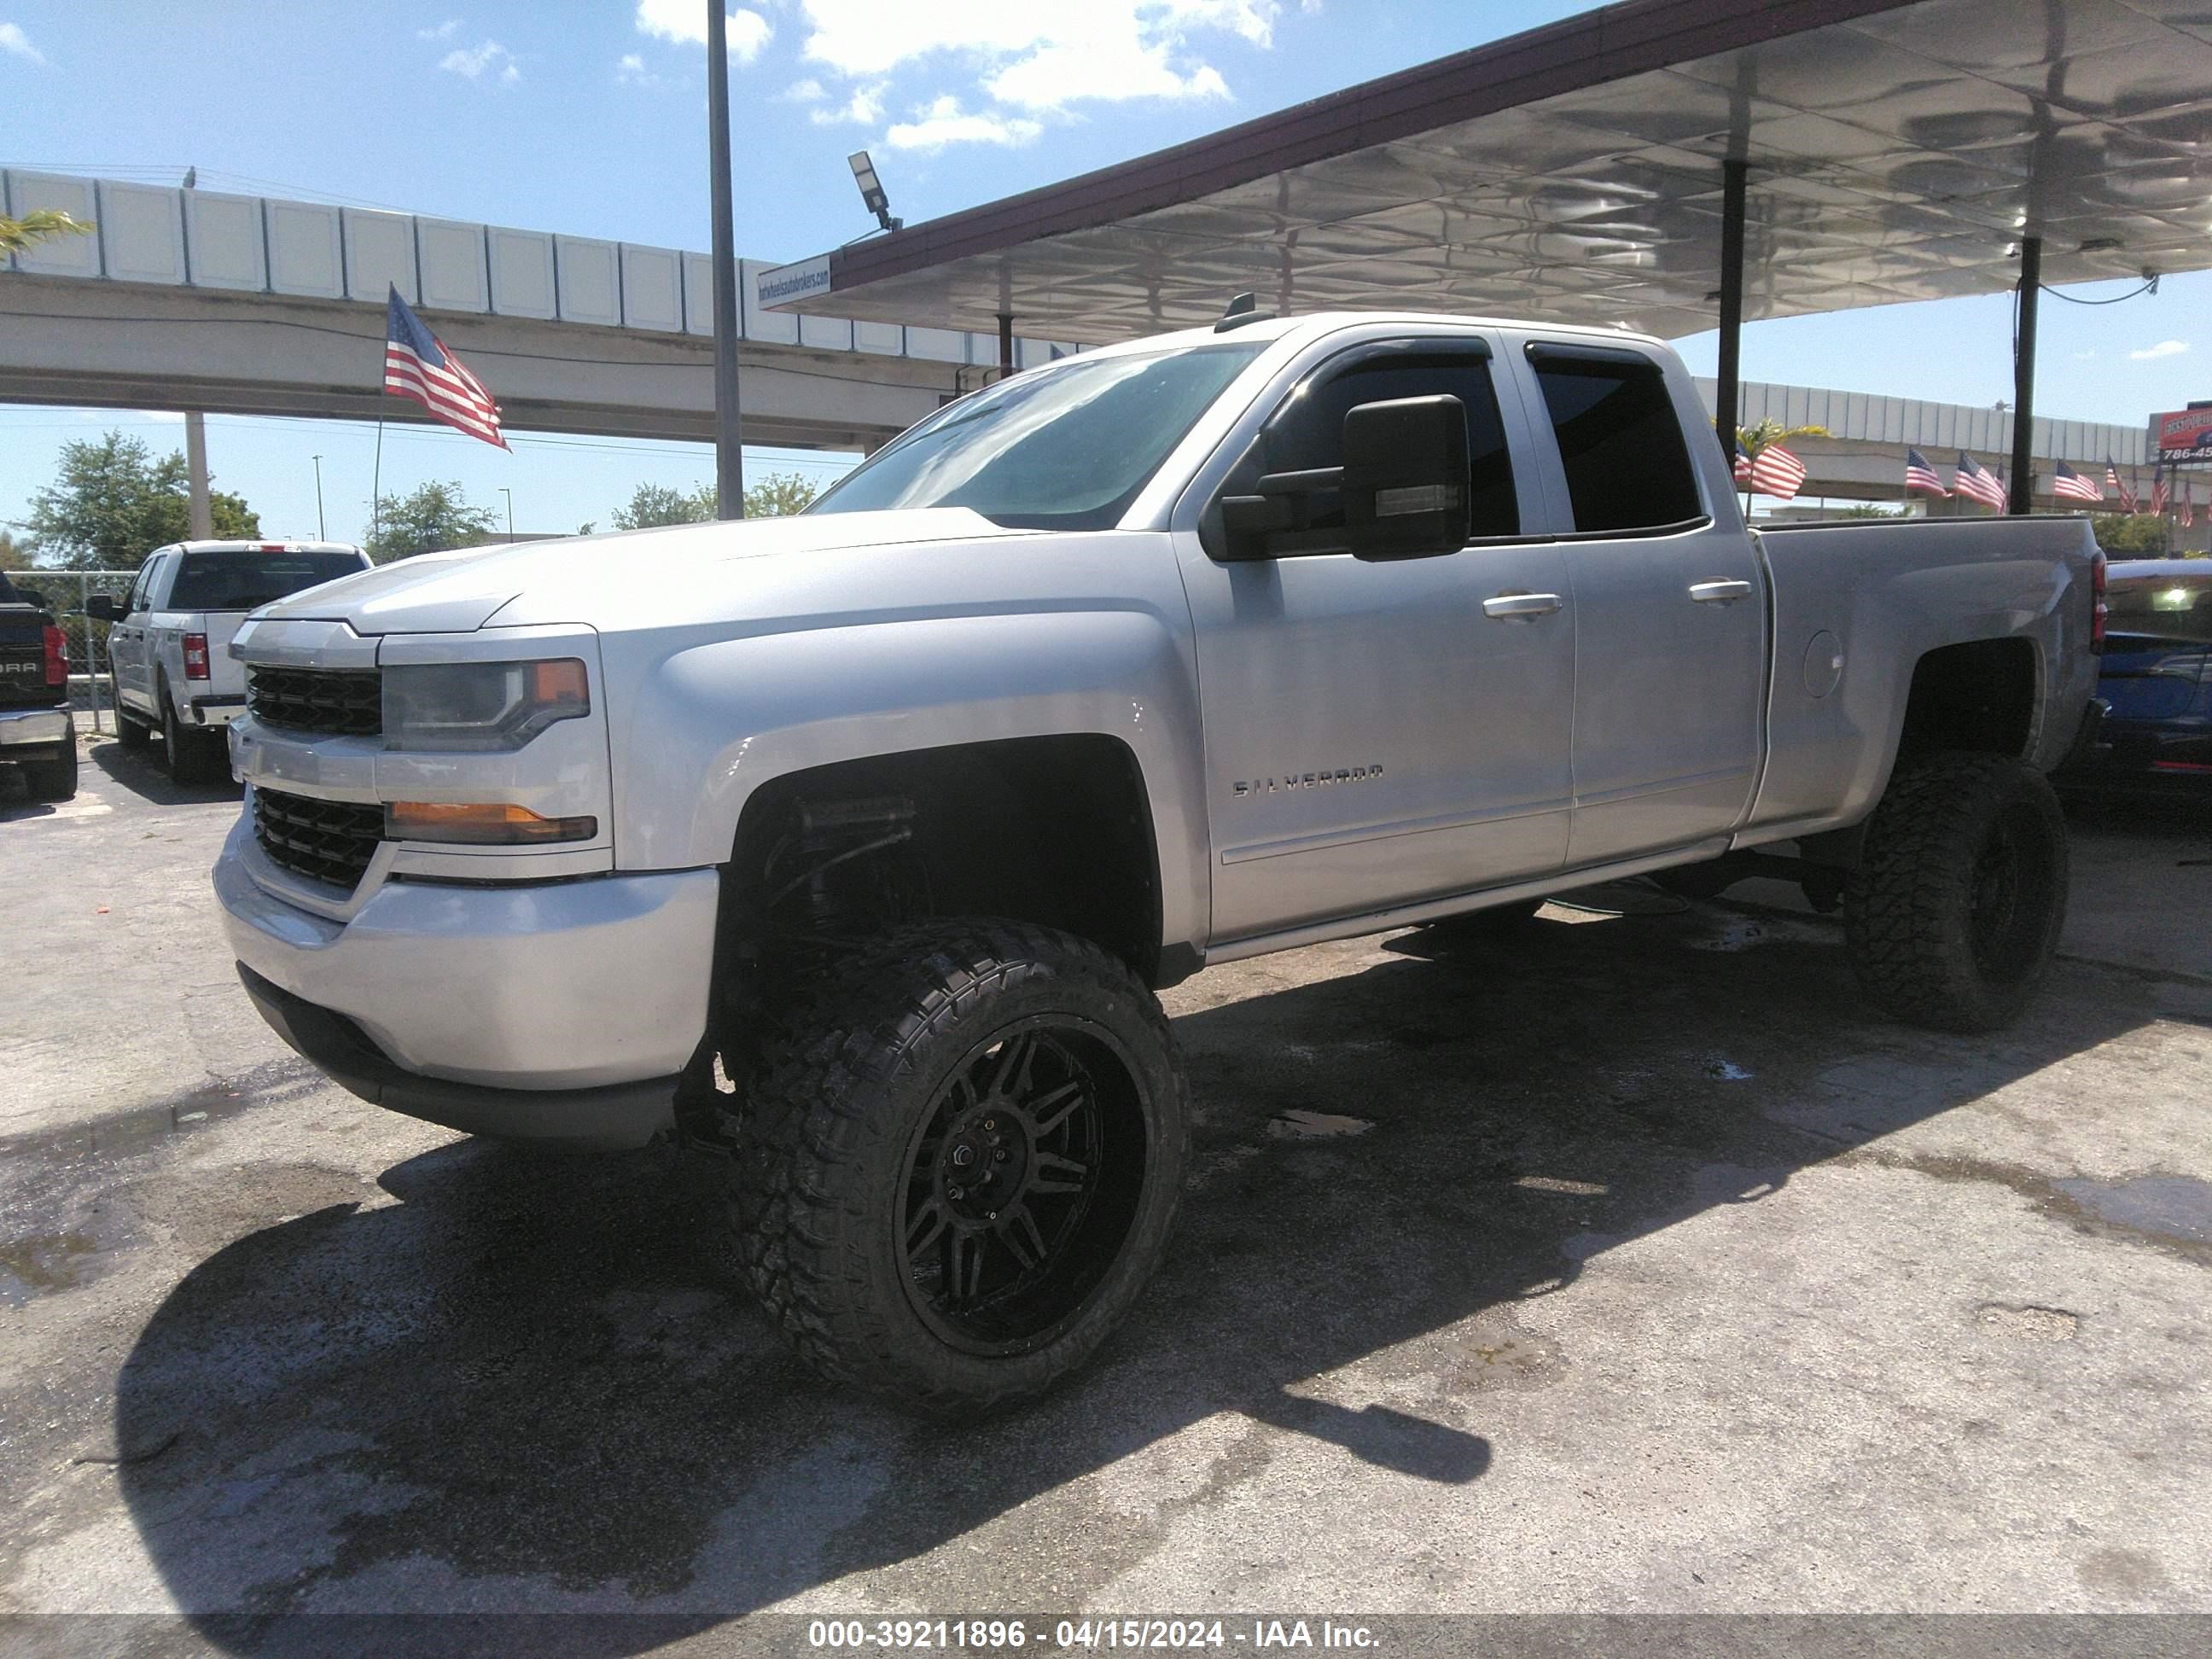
(550, 988)
(41, 728)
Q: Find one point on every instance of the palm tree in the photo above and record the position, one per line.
(40, 225)
(1754, 441)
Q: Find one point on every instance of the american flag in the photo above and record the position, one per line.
(2158, 495)
(417, 365)
(2066, 482)
(1742, 469)
(2187, 502)
(1776, 472)
(1975, 483)
(2113, 482)
(1921, 477)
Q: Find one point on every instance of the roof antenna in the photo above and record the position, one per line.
(1243, 309)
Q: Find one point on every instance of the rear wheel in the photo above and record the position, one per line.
(188, 755)
(955, 1176)
(1954, 912)
(53, 780)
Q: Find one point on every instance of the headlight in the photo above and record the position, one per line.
(480, 706)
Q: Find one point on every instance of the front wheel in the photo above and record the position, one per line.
(1954, 912)
(958, 1170)
(132, 732)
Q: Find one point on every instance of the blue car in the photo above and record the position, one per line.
(2156, 677)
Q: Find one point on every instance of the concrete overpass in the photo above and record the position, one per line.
(195, 300)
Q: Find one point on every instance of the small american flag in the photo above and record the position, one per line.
(2158, 495)
(2113, 482)
(1776, 472)
(2188, 503)
(417, 365)
(2066, 482)
(1976, 483)
(1742, 469)
(1920, 476)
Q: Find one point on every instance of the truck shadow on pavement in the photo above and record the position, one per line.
(531, 1385)
(143, 772)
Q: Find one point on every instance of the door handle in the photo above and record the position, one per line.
(1508, 607)
(1719, 592)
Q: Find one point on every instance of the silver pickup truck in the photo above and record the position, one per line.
(855, 844)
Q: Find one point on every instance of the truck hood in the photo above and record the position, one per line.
(569, 579)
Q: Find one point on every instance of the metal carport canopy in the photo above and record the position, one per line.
(1893, 152)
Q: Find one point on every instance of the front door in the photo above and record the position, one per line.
(1382, 733)
(1671, 614)
(126, 639)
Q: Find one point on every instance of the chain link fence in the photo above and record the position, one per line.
(66, 592)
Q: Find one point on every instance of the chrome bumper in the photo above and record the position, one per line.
(557, 985)
(25, 727)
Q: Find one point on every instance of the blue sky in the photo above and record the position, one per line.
(589, 119)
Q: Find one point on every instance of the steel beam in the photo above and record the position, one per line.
(2022, 490)
(729, 445)
(1735, 192)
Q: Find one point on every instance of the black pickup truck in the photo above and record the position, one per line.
(37, 736)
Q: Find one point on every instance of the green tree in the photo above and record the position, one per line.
(652, 505)
(436, 518)
(2131, 535)
(113, 504)
(1863, 511)
(778, 494)
(40, 225)
(14, 555)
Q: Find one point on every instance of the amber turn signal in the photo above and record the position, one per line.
(491, 825)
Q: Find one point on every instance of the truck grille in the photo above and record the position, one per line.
(338, 702)
(331, 841)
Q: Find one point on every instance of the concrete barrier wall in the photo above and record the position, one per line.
(265, 244)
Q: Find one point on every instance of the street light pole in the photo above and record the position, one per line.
(729, 456)
(509, 494)
(322, 530)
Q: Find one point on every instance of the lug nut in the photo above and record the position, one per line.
(1000, 1156)
(955, 1194)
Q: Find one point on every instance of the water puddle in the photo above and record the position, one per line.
(45, 1261)
(2171, 1206)
(269, 1085)
(1300, 1125)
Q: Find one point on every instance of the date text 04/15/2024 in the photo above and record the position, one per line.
(994, 1635)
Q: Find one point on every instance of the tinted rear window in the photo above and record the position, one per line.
(2172, 607)
(1627, 468)
(239, 581)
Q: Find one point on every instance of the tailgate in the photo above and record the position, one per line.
(23, 657)
(226, 679)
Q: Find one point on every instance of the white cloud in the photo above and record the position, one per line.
(684, 22)
(444, 31)
(872, 37)
(1054, 76)
(865, 106)
(2163, 348)
(809, 91)
(942, 123)
(631, 71)
(474, 63)
(13, 39)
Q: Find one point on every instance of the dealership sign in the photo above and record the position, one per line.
(2185, 435)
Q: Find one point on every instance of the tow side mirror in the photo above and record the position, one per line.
(1406, 477)
(101, 607)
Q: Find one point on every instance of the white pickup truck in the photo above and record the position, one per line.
(168, 641)
(855, 844)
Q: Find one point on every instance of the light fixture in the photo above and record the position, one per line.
(872, 190)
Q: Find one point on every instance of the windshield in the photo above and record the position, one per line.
(239, 581)
(1060, 448)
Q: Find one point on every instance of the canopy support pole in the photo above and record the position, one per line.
(2023, 378)
(729, 443)
(1736, 178)
(1005, 343)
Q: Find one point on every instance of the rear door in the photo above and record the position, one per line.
(1380, 734)
(127, 646)
(1671, 631)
